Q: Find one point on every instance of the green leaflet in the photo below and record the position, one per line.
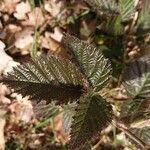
(104, 6)
(117, 12)
(124, 8)
(113, 26)
(142, 133)
(137, 84)
(47, 78)
(91, 61)
(127, 9)
(143, 25)
(46, 111)
(137, 78)
(135, 110)
(68, 113)
(92, 114)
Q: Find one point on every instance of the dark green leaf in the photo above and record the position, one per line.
(137, 78)
(92, 114)
(135, 110)
(142, 131)
(104, 6)
(46, 78)
(91, 61)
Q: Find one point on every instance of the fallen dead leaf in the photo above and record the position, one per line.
(8, 6)
(24, 39)
(54, 7)
(57, 35)
(21, 110)
(21, 10)
(35, 18)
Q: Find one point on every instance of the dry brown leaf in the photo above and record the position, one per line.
(54, 7)
(14, 28)
(6, 62)
(3, 92)
(4, 58)
(24, 39)
(57, 35)
(52, 45)
(21, 10)
(21, 110)
(35, 18)
(8, 6)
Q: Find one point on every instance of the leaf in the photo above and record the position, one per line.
(32, 3)
(113, 26)
(46, 78)
(46, 111)
(108, 7)
(137, 78)
(127, 9)
(142, 132)
(135, 110)
(92, 114)
(143, 25)
(68, 113)
(91, 61)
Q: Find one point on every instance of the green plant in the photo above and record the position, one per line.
(53, 78)
(79, 83)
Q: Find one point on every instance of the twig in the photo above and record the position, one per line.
(134, 21)
(124, 129)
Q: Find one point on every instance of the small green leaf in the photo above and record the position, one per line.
(92, 114)
(91, 61)
(127, 9)
(113, 26)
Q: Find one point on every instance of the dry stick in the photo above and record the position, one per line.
(134, 21)
(124, 129)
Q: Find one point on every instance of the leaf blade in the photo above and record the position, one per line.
(136, 78)
(91, 61)
(86, 126)
(108, 7)
(46, 77)
(127, 9)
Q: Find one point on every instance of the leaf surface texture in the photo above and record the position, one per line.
(46, 78)
(92, 114)
(137, 78)
(91, 61)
